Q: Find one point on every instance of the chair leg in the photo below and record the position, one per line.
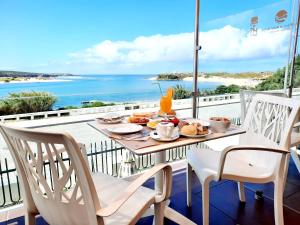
(159, 209)
(29, 219)
(278, 203)
(241, 192)
(189, 185)
(205, 202)
(295, 157)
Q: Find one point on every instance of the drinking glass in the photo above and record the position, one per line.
(165, 104)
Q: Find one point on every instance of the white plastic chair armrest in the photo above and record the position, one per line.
(137, 183)
(296, 125)
(244, 148)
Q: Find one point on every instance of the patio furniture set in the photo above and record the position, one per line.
(260, 155)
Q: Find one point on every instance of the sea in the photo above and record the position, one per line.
(73, 90)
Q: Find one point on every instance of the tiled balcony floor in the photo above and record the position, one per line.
(225, 208)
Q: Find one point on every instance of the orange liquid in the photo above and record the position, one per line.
(165, 104)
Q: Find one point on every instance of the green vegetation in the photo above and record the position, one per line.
(222, 89)
(271, 81)
(276, 81)
(88, 105)
(30, 74)
(97, 104)
(27, 102)
(69, 107)
(244, 75)
(8, 76)
(173, 76)
(181, 92)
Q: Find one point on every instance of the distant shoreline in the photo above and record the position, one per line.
(34, 80)
(226, 81)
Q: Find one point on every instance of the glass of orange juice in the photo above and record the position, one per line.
(165, 104)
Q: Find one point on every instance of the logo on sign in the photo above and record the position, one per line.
(254, 20)
(253, 28)
(281, 16)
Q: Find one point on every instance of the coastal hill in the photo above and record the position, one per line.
(15, 74)
(247, 79)
(244, 75)
(18, 76)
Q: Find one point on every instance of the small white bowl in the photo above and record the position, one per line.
(220, 126)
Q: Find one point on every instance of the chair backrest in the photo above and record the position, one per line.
(269, 123)
(53, 198)
(246, 98)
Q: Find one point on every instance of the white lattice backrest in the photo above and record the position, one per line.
(60, 199)
(269, 123)
(246, 98)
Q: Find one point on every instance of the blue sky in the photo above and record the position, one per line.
(135, 36)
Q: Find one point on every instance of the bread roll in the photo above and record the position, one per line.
(143, 114)
(189, 130)
(134, 119)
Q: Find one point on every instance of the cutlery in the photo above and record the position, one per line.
(144, 134)
(138, 137)
(142, 138)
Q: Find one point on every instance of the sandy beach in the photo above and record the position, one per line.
(225, 81)
(34, 80)
(228, 81)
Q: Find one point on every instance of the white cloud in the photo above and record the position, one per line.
(229, 43)
(224, 44)
(141, 50)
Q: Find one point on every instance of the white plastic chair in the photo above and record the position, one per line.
(246, 98)
(92, 199)
(262, 154)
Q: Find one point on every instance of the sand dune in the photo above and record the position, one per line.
(227, 81)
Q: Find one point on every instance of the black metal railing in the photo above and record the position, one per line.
(105, 157)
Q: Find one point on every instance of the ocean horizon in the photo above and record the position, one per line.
(73, 90)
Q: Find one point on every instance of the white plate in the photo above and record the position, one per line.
(196, 136)
(156, 137)
(109, 122)
(127, 128)
(110, 118)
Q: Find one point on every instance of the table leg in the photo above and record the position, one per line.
(160, 157)
(127, 165)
